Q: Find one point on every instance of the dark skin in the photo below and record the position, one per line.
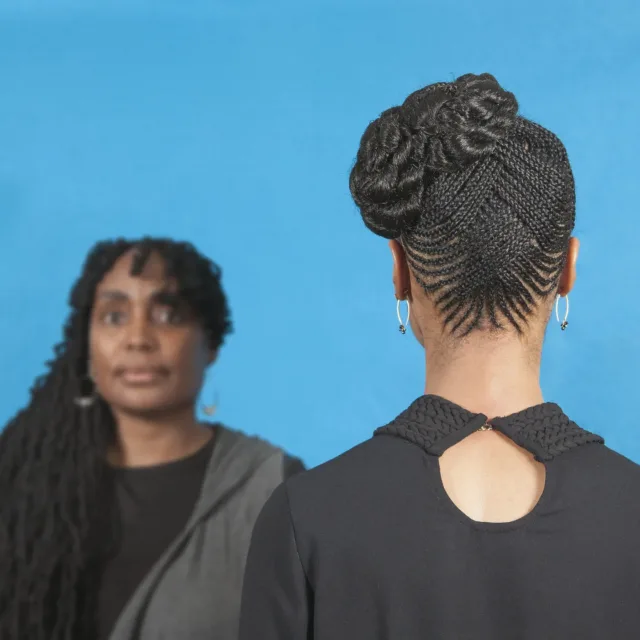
(407, 288)
(148, 358)
(486, 475)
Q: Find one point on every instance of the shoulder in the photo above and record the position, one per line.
(251, 456)
(603, 483)
(615, 467)
(368, 474)
(604, 460)
(369, 459)
(339, 504)
(242, 473)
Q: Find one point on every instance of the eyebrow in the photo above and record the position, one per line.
(169, 298)
(161, 296)
(113, 295)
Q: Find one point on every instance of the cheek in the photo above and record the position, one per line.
(190, 365)
(100, 369)
(99, 358)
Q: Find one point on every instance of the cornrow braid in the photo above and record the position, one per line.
(55, 490)
(482, 199)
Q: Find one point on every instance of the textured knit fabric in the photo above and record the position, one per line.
(435, 424)
(370, 545)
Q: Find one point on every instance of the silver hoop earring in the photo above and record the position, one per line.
(403, 325)
(564, 324)
(84, 401)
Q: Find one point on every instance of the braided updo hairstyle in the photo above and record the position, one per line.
(482, 200)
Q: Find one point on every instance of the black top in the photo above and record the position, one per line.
(154, 505)
(370, 545)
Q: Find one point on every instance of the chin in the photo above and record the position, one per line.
(150, 410)
(150, 402)
(147, 405)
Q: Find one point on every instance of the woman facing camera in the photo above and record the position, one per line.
(122, 515)
(480, 512)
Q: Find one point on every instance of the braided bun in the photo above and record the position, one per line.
(442, 128)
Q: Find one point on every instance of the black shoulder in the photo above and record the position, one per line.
(360, 474)
(618, 466)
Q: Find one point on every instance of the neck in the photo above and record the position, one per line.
(493, 376)
(144, 441)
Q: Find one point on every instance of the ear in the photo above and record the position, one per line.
(401, 279)
(568, 276)
(213, 356)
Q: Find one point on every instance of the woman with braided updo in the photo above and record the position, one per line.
(481, 512)
(123, 516)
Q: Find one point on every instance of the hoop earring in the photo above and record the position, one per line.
(564, 324)
(403, 325)
(84, 401)
(210, 409)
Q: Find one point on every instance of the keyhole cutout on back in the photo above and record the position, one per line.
(491, 479)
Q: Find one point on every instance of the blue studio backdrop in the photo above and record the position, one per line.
(234, 124)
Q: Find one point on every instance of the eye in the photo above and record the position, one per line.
(113, 317)
(167, 315)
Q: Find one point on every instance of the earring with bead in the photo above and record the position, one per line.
(403, 324)
(564, 323)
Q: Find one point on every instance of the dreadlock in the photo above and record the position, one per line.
(483, 200)
(55, 489)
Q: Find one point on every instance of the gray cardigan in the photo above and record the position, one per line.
(193, 591)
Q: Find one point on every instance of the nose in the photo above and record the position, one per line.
(140, 336)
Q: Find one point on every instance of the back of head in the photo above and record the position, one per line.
(482, 199)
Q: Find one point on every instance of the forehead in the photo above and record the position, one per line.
(152, 278)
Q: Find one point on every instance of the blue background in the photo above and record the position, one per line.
(234, 125)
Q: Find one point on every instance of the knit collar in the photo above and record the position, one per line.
(435, 424)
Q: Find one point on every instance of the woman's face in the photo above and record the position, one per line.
(148, 353)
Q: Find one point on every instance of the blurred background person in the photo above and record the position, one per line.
(122, 515)
(481, 511)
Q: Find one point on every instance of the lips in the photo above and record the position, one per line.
(141, 376)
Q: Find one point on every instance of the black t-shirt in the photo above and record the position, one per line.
(371, 546)
(154, 506)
